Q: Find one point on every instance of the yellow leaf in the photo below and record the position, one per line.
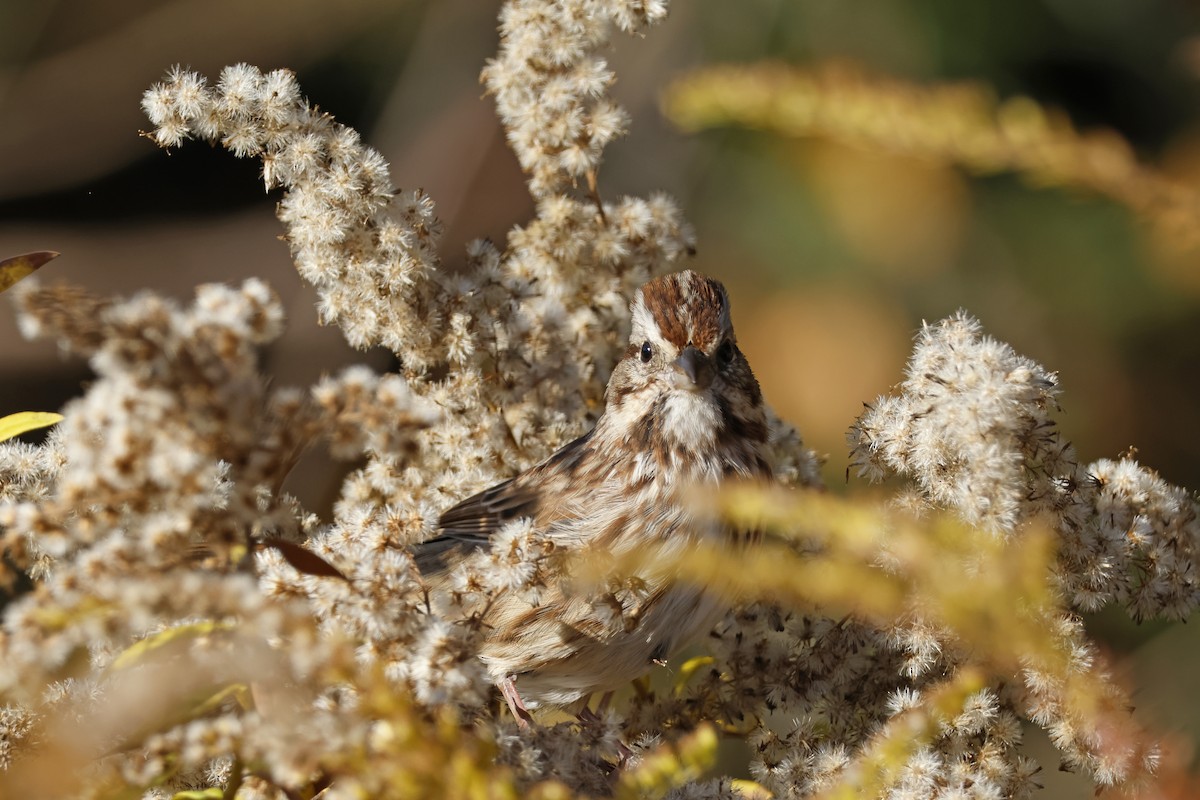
(24, 421)
(749, 790)
(670, 765)
(55, 618)
(690, 668)
(889, 750)
(18, 267)
(237, 691)
(212, 793)
(137, 651)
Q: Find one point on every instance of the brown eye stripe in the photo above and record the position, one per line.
(687, 307)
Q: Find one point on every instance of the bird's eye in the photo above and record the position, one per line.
(647, 352)
(725, 353)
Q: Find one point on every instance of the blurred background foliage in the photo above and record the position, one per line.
(834, 251)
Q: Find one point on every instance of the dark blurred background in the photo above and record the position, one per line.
(833, 255)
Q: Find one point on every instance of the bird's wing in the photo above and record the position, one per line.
(470, 525)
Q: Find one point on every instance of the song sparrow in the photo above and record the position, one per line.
(681, 408)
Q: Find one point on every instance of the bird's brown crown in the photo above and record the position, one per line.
(687, 307)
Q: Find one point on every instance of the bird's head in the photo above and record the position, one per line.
(682, 383)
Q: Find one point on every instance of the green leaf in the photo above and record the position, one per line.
(24, 421)
(211, 793)
(18, 267)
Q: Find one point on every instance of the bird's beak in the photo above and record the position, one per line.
(692, 370)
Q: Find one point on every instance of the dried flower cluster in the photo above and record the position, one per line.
(550, 85)
(192, 626)
(972, 428)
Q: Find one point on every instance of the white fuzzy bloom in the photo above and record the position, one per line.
(970, 417)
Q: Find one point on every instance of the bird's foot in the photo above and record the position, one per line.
(508, 688)
(586, 716)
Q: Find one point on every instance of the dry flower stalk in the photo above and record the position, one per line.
(961, 123)
(854, 662)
